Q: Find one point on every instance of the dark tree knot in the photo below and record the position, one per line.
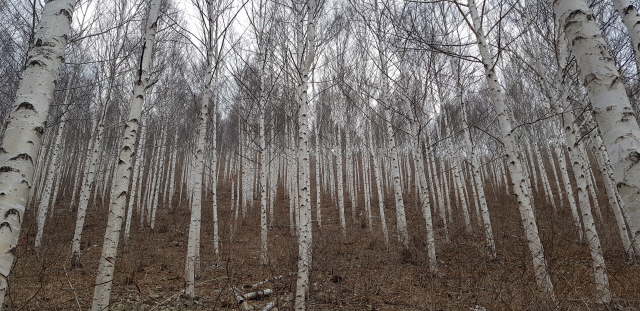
(22, 156)
(25, 105)
(6, 224)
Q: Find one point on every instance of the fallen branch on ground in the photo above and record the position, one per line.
(253, 295)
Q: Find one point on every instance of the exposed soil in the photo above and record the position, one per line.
(356, 274)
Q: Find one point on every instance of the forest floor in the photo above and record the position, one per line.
(358, 273)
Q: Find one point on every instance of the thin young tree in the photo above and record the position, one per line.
(120, 189)
(514, 161)
(306, 14)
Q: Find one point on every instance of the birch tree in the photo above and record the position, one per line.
(23, 137)
(611, 106)
(306, 14)
(513, 156)
(216, 25)
(120, 189)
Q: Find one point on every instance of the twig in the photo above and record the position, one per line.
(74, 290)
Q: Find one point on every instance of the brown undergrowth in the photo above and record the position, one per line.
(358, 273)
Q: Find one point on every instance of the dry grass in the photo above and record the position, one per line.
(356, 274)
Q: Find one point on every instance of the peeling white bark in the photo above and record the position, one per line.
(610, 103)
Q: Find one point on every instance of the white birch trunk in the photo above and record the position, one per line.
(601, 279)
(152, 176)
(214, 166)
(403, 233)
(552, 161)
(569, 189)
(433, 175)
(457, 178)
(446, 191)
(591, 184)
(119, 191)
(78, 178)
(532, 165)
(378, 177)
(139, 158)
(631, 19)
(543, 176)
(350, 176)
(482, 201)
(318, 181)
(292, 194)
(172, 181)
(332, 183)
(55, 190)
(53, 164)
(607, 177)
(610, 103)
(423, 193)
(22, 138)
(523, 196)
(340, 183)
(193, 245)
(306, 54)
(264, 259)
(40, 165)
(158, 178)
(366, 180)
(273, 177)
